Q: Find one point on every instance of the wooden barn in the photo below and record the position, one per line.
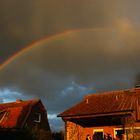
(18, 117)
(112, 115)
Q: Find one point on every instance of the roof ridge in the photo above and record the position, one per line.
(110, 92)
(22, 101)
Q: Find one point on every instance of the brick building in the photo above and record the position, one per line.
(113, 114)
(20, 115)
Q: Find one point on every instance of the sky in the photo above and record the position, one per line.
(59, 51)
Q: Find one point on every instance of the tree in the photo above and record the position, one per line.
(40, 134)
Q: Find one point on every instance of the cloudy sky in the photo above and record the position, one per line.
(71, 48)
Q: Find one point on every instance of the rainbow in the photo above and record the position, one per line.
(46, 39)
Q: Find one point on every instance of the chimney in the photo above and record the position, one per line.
(87, 101)
(18, 101)
(117, 97)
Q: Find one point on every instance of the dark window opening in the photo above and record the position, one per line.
(98, 135)
(37, 117)
(119, 133)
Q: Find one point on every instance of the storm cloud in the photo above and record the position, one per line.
(22, 22)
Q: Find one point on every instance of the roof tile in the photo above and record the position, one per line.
(13, 114)
(109, 102)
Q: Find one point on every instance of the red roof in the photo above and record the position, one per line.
(104, 103)
(14, 114)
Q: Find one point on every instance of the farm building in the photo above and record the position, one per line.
(114, 114)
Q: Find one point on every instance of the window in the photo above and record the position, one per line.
(37, 117)
(118, 132)
(3, 114)
(98, 133)
(134, 133)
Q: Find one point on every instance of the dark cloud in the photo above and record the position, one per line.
(22, 22)
(102, 59)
